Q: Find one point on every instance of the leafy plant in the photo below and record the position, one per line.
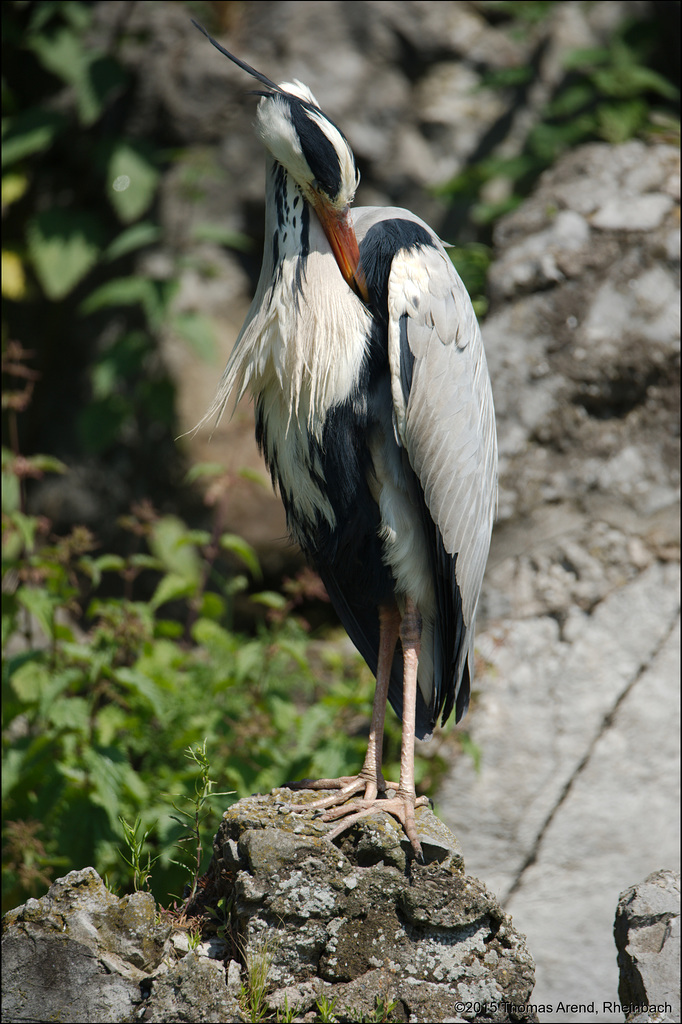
(609, 93)
(194, 820)
(252, 995)
(80, 197)
(135, 844)
(326, 1009)
(287, 1013)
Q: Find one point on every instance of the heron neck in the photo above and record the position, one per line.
(287, 219)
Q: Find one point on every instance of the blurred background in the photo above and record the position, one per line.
(152, 604)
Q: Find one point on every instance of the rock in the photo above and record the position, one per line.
(79, 953)
(363, 920)
(194, 989)
(353, 924)
(647, 933)
(575, 713)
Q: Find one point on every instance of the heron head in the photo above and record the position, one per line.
(309, 145)
(316, 154)
(318, 157)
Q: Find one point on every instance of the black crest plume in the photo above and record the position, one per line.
(240, 63)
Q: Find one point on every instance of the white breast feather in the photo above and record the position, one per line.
(299, 355)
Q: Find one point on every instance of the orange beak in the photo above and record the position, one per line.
(338, 227)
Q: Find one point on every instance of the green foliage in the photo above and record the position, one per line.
(287, 1013)
(80, 198)
(135, 843)
(609, 94)
(382, 1011)
(471, 263)
(252, 996)
(327, 1011)
(194, 819)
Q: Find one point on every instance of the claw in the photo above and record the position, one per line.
(341, 805)
(402, 806)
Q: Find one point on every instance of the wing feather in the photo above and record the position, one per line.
(443, 420)
(446, 425)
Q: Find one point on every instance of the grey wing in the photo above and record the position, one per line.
(444, 419)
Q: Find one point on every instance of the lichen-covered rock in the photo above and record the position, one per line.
(79, 953)
(363, 921)
(360, 924)
(647, 933)
(194, 989)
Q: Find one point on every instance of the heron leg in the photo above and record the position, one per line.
(402, 805)
(370, 777)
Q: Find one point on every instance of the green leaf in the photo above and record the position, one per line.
(26, 526)
(203, 469)
(47, 464)
(70, 714)
(141, 684)
(11, 493)
(14, 186)
(270, 599)
(133, 238)
(212, 606)
(505, 78)
(13, 772)
(238, 546)
(63, 245)
(60, 52)
(29, 132)
(122, 291)
(91, 74)
(143, 561)
(626, 81)
(132, 180)
(585, 57)
(167, 542)
(210, 634)
(103, 76)
(171, 588)
(254, 476)
(94, 567)
(199, 538)
(41, 606)
(107, 771)
(109, 563)
(619, 122)
(29, 681)
(571, 99)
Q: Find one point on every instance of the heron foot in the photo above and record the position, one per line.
(347, 786)
(342, 805)
(402, 806)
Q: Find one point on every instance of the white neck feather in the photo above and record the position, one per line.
(304, 338)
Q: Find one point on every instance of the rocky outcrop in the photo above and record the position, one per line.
(576, 712)
(365, 920)
(79, 953)
(647, 933)
(291, 922)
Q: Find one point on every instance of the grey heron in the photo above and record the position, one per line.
(374, 413)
